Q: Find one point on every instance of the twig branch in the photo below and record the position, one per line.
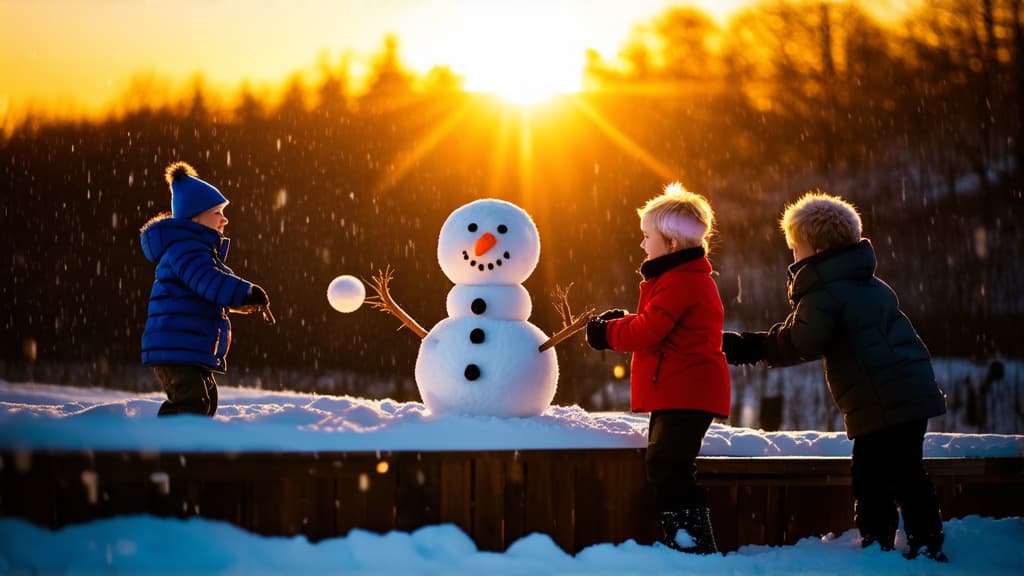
(383, 301)
(563, 334)
(570, 324)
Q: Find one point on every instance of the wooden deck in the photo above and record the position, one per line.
(578, 497)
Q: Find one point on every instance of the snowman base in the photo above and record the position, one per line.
(483, 367)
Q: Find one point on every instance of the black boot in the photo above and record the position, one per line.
(877, 521)
(692, 527)
(928, 546)
(885, 543)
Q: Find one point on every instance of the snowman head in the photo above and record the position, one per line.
(488, 242)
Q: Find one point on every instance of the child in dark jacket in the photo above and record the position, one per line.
(187, 332)
(678, 371)
(878, 370)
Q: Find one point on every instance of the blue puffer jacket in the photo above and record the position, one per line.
(187, 322)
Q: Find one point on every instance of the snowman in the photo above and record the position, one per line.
(486, 358)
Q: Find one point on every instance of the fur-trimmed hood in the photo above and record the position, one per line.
(162, 231)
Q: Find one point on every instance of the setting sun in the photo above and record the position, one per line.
(522, 51)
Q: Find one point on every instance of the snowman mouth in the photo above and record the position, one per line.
(483, 266)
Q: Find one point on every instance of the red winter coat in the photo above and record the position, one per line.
(676, 338)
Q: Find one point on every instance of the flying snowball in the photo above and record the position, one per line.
(346, 293)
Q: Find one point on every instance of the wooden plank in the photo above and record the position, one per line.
(488, 502)
(351, 482)
(380, 496)
(515, 500)
(417, 497)
(814, 511)
(456, 476)
(319, 517)
(630, 506)
(773, 468)
(30, 488)
(550, 497)
(752, 504)
(962, 497)
(723, 502)
(77, 494)
(590, 503)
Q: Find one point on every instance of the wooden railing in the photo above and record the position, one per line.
(578, 497)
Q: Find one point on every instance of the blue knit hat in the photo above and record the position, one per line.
(190, 195)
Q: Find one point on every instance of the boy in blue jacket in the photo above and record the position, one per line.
(187, 332)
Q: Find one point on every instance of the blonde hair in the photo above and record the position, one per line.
(820, 221)
(680, 215)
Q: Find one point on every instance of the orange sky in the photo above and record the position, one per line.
(80, 55)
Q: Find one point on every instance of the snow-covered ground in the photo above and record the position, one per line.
(145, 545)
(39, 416)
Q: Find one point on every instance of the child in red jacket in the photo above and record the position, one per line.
(678, 371)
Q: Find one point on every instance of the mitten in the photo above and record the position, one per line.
(256, 297)
(742, 348)
(612, 314)
(597, 334)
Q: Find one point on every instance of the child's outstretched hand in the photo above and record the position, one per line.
(256, 297)
(597, 329)
(613, 314)
(742, 347)
(257, 301)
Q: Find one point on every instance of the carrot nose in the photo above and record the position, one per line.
(485, 243)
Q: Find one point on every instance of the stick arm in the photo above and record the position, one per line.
(563, 334)
(570, 324)
(385, 303)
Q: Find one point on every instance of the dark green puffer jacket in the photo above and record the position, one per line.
(878, 370)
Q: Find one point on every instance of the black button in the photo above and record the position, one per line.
(478, 306)
(476, 336)
(472, 372)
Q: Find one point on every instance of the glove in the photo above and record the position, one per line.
(597, 333)
(612, 314)
(743, 347)
(256, 297)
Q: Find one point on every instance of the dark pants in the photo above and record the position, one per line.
(673, 442)
(888, 471)
(190, 390)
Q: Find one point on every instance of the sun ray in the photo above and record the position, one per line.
(625, 142)
(405, 162)
(523, 52)
(525, 154)
(499, 156)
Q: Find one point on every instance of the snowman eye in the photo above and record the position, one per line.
(502, 229)
(472, 227)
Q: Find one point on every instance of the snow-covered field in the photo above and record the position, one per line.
(37, 416)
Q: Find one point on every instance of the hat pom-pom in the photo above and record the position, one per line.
(179, 170)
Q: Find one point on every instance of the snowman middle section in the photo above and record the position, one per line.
(484, 359)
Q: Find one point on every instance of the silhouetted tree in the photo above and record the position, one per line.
(249, 109)
(389, 81)
(332, 93)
